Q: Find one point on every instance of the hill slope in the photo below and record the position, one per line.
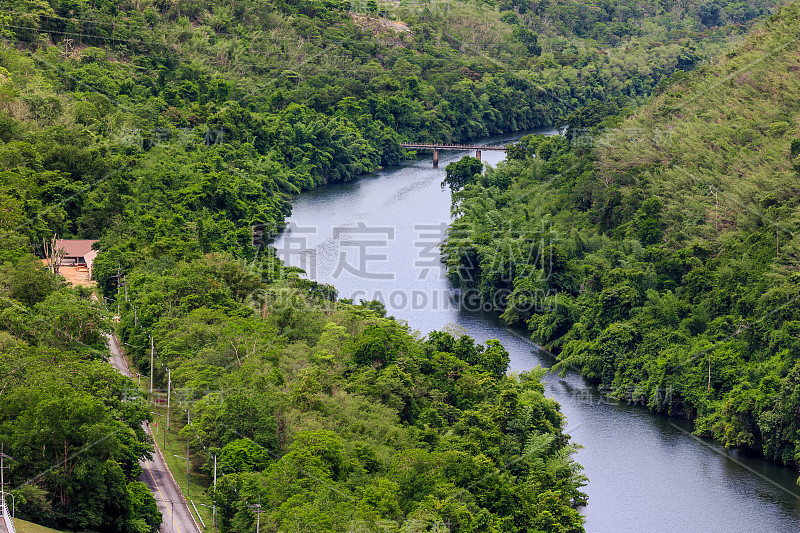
(176, 133)
(659, 256)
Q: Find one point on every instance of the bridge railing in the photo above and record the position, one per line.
(453, 146)
(7, 520)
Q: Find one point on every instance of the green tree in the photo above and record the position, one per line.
(528, 38)
(30, 282)
(461, 173)
(243, 455)
(145, 516)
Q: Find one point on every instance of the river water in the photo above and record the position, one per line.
(376, 238)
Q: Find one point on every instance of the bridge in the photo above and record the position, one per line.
(6, 518)
(459, 147)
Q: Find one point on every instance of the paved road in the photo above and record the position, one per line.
(176, 515)
(117, 360)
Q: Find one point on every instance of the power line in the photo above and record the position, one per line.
(258, 35)
(301, 40)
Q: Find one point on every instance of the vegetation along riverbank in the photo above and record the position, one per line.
(176, 133)
(656, 251)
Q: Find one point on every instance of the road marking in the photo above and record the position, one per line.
(162, 497)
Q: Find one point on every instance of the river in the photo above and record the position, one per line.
(376, 238)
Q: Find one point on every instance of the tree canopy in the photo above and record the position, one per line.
(176, 133)
(654, 250)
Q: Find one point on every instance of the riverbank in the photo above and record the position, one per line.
(646, 472)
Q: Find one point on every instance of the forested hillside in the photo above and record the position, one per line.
(336, 418)
(69, 422)
(656, 252)
(176, 134)
(175, 129)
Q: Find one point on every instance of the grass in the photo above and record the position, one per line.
(23, 526)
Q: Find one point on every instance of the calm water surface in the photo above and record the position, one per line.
(376, 239)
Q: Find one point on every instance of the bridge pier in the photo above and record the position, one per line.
(478, 155)
(435, 158)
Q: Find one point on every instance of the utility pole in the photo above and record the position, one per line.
(3, 472)
(119, 277)
(152, 352)
(214, 502)
(187, 451)
(3, 468)
(169, 385)
(258, 512)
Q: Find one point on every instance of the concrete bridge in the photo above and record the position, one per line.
(459, 147)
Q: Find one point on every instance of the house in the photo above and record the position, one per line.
(77, 252)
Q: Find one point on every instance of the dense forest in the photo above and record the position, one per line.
(177, 133)
(332, 414)
(655, 251)
(65, 418)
